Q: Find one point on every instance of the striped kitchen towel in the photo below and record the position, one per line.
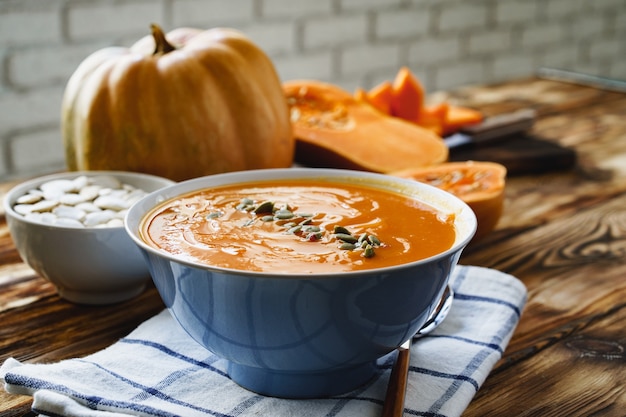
(157, 370)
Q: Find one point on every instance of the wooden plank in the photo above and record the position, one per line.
(90, 328)
(583, 252)
(575, 371)
(544, 96)
(564, 235)
(574, 268)
(50, 329)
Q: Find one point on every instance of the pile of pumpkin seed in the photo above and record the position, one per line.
(85, 201)
(301, 224)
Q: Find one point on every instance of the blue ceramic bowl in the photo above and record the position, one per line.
(302, 336)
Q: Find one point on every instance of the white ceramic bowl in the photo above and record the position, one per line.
(88, 265)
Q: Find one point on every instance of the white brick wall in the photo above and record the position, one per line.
(97, 19)
(464, 16)
(295, 9)
(353, 43)
(400, 24)
(24, 27)
(208, 13)
(516, 12)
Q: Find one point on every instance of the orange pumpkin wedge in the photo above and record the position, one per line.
(361, 96)
(408, 95)
(480, 184)
(333, 129)
(381, 96)
(458, 117)
(434, 117)
(405, 99)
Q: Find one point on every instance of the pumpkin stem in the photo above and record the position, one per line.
(162, 45)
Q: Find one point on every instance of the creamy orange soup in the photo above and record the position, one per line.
(298, 226)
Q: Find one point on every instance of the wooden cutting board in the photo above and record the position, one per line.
(521, 154)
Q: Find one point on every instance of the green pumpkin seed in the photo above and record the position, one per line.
(264, 207)
(314, 237)
(214, 215)
(267, 218)
(368, 252)
(341, 230)
(373, 240)
(347, 246)
(295, 229)
(283, 214)
(346, 238)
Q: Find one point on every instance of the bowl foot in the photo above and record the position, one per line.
(100, 298)
(301, 385)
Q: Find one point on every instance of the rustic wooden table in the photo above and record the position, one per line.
(563, 234)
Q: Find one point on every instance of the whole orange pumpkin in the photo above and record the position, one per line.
(188, 104)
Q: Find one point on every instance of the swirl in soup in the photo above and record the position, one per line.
(298, 227)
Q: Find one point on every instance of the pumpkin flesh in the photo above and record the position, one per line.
(333, 129)
(214, 104)
(479, 184)
(407, 96)
(381, 96)
(405, 99)
(459, 117)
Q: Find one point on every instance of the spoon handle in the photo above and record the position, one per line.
(396, 389)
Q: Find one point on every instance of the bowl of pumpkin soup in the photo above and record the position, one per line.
(301, 279)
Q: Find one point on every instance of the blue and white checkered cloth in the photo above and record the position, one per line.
(158, 370)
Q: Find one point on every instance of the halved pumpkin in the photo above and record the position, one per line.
(333, 129)
(480, 184)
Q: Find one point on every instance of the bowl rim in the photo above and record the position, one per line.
(8, 199)
(136, 213)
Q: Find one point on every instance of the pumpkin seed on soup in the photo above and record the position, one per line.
(283, 214)
(346, 237)
(341, 230)
(264, 207)
(368, 251)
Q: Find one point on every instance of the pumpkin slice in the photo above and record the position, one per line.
(480, 184)
(381, 96)
(408, 96)
(333, 129)
(434, 117)
(361, 96)
(458, 117)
